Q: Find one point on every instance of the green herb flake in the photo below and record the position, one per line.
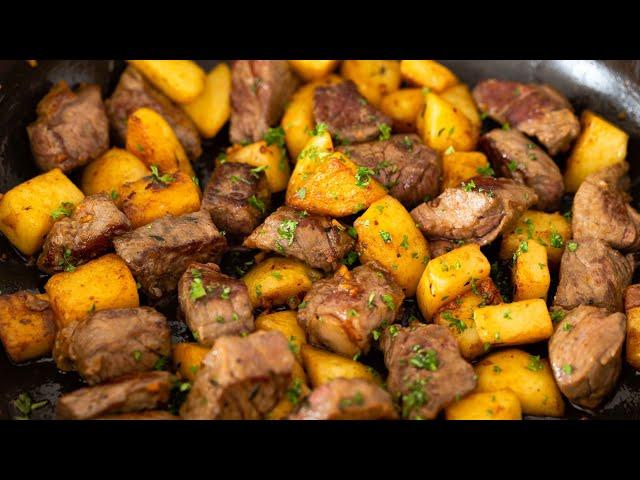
(257, 203)
(385, 132)
(64, 210)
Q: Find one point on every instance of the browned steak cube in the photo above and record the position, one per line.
(592, 273)
(72, 128)
(426, 371)
(341, 313)
(403, 164)
(347, 399)
(158, 254)
(259, 91)
(213, 303)
(241, 378)
(514, 156)
(315, 239)
(536, 110)
(131, 393)
(134, 92)
(237, 197)
(348, 116)
(87, 233)
(586, 354)
(112, 343)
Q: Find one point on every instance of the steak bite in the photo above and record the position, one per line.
(237, 197)
(477, 212)
(514, 156)
(601, 210)
(112, 343)
(130, 393)
(586, 354)
(317, 240)
(592, 273)
(403, 164)
(347, 399)
(348, 116)
(260, 90)
(535, 110)
(86, 234)
(342, 312)
(134, 92)
(241, 378)
(426, 371)
(72, 128)
(214, 304)
(158, 254)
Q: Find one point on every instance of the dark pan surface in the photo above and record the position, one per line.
(610, 88)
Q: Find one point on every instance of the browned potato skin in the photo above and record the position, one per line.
(323, 366)
(374, 78)
(112, 170)
(499, 405)
(26, 333)
(403, 106)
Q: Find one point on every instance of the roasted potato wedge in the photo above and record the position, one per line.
(599, 145)
(212, 108)
(374, 78)
(328, 183)
(460, 97)
(279, 281)
(180, 80)
(516, 323)
(27, 211)
(403, 106)
(297, 391)
(427, 73)
(529, 377)
(445, 128)
(112, 170)
(152, 140)
(285, 322)
(270, 157)
(458, 167)
(322, 367)
(498, 405)
(530, 277)
(100, 284)
(187, 358)
(313, 69)
(388, 235)
(450, 275)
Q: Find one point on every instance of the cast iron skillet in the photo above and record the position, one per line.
(610, 88)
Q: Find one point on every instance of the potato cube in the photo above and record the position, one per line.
(187, 358)
(152, 140)
(101, 284)
(599, 145)
(498, 405)
(323, 366)
(531, 277)
(460, 97)
(458, 167)
(374, 78)
(180, 80)
(151, 198)
(313, 69)
(528, 376)
(25, 210)
(279, 281)
(445, 128)
(387, 234)
(287, 323)
(112, 170)
(27, 329)
(516, 323)
(211, 110)
(450, 275)
(403, 106)
(551, 230)
(427, 73)
(269, 157)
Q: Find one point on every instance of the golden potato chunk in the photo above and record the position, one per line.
(296, 392)
(212, 108)
(27, 329)
(403, 106)
(530, 276)
(323, 366)
(528, 376)
(270, 158)
(599, 145)
(287, 323)
(313, 69)
(112, 170)
(27, 211)
(445, 128)
(498, 405)
(458, 167)
(180, 80)
(460, 97)
(101, 284)
(427, 73)
(374, 78)
(388, 235)
(187, 358)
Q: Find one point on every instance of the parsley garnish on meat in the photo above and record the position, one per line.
(66, 261)
(567, 327)
(137, 355)
(196, 289)
(64, 210)
(568, 369)
(363, 176)
(287, 230)
(155, 176)
(572, 246)
(415, 398)
(351, 258)
(469, 186)
(319, 129)
(506, 126)
(385, 132)
(557, 315)
(512, 166)
(226, 292)
(256, 171)
(357, 399)
(388, 301)
(424, 358)
(256, 203)
(407, 142)
(393, 330)
(160, 364)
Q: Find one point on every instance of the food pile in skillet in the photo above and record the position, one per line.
(380, 217)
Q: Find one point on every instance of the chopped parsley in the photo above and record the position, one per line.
(407, 142)
(454, 321)
(66, 262)
(292, 344)
(567, 327)
(256, 171)
(572, 246)
(425, 359)
(388, 301)
(257, 203)
(319, 129)
(25, 406)
(568, 369)
(363, 176)
(161, 363)
(415, 398)
(287, 230)
(393, 330)
(386, 236)
(535, 364)
(64, 210)
(114, 195)
(301, 193)
(512, 166)
(196, 289)
(294, 391)
(450, 150)
(226, 291)
(385, 131)
(486, 171)
(405, 242)
(556, 240)
(156, 177)
(195, 180)
(277, 275)
(497, 369)
(275, 136)
(357, 399)
(352, 232)
(469, 186)
(556, 315)
(506, 126)
(137, 355)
